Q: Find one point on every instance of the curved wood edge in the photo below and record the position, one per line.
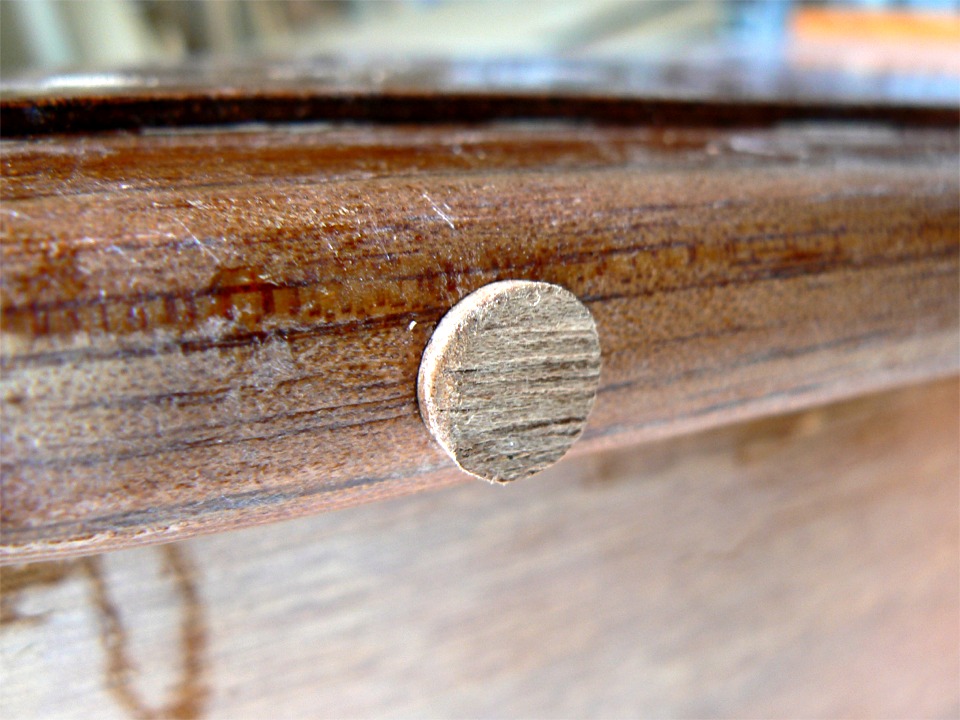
(206, 331)
(723, 92)
(186, 108)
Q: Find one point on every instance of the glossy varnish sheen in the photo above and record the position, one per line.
(204, 330)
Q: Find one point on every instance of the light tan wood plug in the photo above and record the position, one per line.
(508, 378)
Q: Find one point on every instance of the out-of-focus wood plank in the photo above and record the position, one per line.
(714, 92)
(804, 566)
(207, 330)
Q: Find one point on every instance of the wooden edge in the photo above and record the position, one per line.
(724, 92)
(212, 331)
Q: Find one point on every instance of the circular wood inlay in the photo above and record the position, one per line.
(508, 378)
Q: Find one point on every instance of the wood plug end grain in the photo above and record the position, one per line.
(508, 378)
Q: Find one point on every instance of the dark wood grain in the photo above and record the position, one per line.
(210, 330)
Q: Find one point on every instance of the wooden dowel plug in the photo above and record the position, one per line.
(508, 378)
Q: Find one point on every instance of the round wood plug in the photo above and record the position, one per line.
(508, 378)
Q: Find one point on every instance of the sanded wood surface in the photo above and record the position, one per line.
(802, 566)
(508, 378)
(209, 330)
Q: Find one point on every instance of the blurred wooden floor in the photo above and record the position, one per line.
(804, 566)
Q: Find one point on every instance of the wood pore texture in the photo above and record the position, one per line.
(211, 329)
(508, 378)
(799, 566)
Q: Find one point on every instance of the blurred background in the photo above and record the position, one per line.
(915, 36)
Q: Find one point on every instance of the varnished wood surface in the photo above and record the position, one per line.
(804, 566)
(211, 330)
